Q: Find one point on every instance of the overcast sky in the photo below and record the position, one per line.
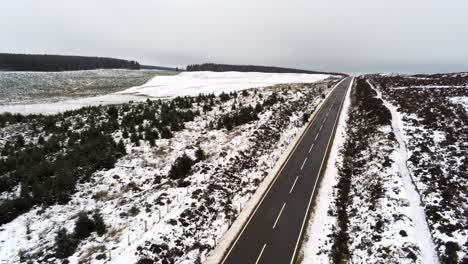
(350, 35)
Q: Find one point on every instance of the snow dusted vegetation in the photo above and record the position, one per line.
(158, 181)
(400, 177)
(45, 87)
(434, 125)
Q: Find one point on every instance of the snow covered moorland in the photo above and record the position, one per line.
(433, 114)
(45, 87)
(158, 181)
(401, 175)
(56, 92)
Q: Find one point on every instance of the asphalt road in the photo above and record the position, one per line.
(273, 231)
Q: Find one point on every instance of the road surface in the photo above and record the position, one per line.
(273, 232)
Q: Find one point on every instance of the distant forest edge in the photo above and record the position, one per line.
(251, 68)
(151, 67)
(33, 62)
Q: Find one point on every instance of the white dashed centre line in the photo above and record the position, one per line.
(311, 146)
(316, 136)
(294, 184)
(321, 127)
(260, 255)
(278, 217)
(303, 163)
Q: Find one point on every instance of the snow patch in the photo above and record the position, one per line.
(194, 83)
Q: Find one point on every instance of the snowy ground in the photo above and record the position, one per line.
(21, 100)
(193, 83)
(413, 210)
(173, 223)
(432, 127)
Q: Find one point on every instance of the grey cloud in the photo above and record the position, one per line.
(352, 36)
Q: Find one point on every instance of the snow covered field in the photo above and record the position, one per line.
(151, 217)
(194, 83)
(48, 98)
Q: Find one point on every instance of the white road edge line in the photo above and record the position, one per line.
(315, 184)
(303, 163)
(260, 255)
(311, 146)
(279, 215)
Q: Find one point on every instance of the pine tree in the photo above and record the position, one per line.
(134, 138)
(166, 133)
(200, 154)
(305, 117)
(83, 226)
(112, 112)
(258, 108)
(65, 245)
(121, 147)
(198, 260)
(99, 224)
(125, 134)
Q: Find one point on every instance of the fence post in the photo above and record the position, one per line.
(146, 226)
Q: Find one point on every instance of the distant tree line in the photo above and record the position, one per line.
(250, 68)
(33, 62)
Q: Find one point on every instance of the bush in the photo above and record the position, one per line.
(305, 117)
(181, 167)
(242, 116)
(134, 211)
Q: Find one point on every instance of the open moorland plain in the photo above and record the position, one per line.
(46, 87)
